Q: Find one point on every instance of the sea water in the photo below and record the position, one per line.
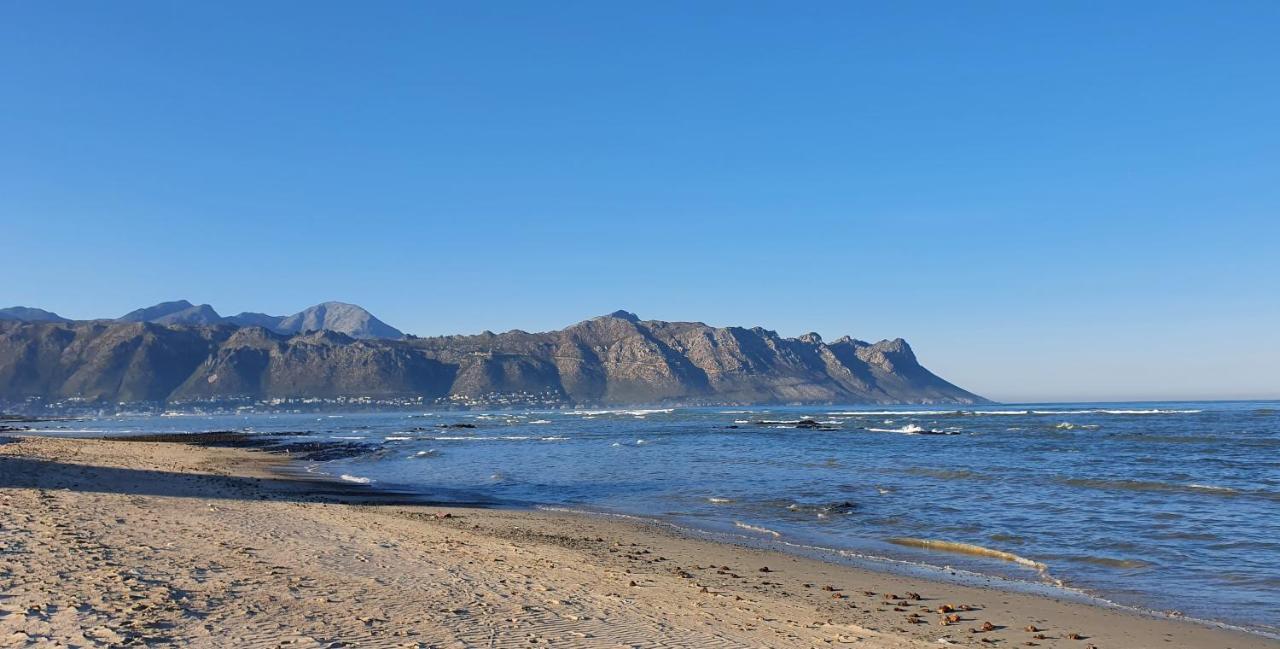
(1162, 506)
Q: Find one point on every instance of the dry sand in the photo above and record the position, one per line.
(109, 543)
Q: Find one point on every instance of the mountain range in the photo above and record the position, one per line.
(343, 318)
(180, 352)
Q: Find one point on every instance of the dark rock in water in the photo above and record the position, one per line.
(455, 426)
(802, 423)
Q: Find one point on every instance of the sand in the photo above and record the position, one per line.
(110, 543)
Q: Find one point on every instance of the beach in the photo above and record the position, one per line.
(111, 543)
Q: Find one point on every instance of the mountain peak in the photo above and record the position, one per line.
(30, 314)
(624, 315)
(177, 312)
(349, 319)
(811, 338)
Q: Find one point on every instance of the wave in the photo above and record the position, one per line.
(1129, 564)
(970, 549)
(912, 429)
(909, 429)
(541, 421)
(493, 438)
(634, 413)
(823, 510)
(719, 501)
(947, 474)
(892, 413)
(355, 478)
(396, 438)
(756, 528)
(986, 413)
(1110, 411)
(1168, 487)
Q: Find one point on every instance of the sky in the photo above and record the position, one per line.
(1050, 201)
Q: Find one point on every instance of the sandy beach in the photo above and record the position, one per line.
(113, 543)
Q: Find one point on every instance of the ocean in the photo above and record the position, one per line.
(1168, 507)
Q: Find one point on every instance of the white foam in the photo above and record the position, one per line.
(396, 438)
(356, 479)
(1105, 411)
(541, 421)
(756, 528)
(892, 413)
(494, 438)
(719, 501)
(909, 429)
(634, 413)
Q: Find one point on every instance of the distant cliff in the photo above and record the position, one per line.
(611, 360)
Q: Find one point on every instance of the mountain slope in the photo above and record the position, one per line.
(611, 360)
(180, 312)
(30, 314)
(248, 319)
(341, 317)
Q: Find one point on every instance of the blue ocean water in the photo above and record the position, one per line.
(1163, 506)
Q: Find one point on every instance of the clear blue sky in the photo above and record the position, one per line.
(1049, 200)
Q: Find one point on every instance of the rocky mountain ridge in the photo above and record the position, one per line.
(341, 317)
(617, 359)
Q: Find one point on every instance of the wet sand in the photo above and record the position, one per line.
(113, 543)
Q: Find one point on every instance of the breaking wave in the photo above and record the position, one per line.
(756, 528)
(970, 549)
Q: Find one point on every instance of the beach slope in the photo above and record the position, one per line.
(110, 543)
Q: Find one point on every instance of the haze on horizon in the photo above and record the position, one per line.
(1057, 203)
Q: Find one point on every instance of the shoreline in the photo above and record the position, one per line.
(640, 576)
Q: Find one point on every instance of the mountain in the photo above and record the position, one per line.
(343, 318)
(616, 359)
(180, 312)
(263, 320)
(29, 314)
